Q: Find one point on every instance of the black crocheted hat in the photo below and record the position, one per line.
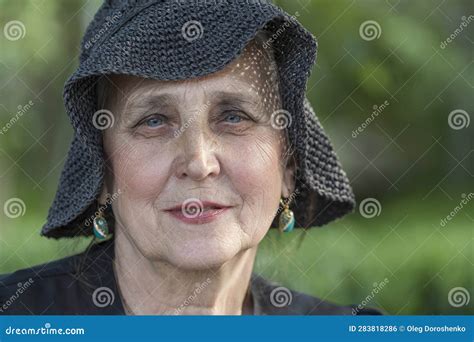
(157, 39)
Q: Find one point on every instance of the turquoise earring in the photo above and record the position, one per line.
(287, 218)
(101, 228)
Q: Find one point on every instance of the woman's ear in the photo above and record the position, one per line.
(104, 194)
(288, 182)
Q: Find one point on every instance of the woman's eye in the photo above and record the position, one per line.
(154, 121)
(233, 117)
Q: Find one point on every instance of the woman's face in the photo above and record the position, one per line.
(207, 139)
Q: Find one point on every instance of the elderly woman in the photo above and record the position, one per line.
(192, 139)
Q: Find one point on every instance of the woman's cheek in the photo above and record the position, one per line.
(141, 170)
(254, 161)
(254, 170)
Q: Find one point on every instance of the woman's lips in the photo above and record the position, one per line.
(201, 217)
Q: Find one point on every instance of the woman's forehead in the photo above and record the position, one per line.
(252, 77)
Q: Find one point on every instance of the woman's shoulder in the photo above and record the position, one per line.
(40, 271)
(26, 290)
(51, 288)
(271, 298)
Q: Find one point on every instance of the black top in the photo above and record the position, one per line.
(55, 288)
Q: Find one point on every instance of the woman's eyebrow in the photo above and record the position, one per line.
(165, 99)
(225, 97)
(146, 101)
(138, 104)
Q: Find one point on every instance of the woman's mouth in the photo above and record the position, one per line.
(197, 212)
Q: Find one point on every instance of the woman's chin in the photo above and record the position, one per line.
(195, 247)
(202, 254)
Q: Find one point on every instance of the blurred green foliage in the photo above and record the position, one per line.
(408, 158)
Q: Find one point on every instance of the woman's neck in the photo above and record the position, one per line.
(160, 288)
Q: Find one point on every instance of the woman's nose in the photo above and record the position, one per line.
(198, 158)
